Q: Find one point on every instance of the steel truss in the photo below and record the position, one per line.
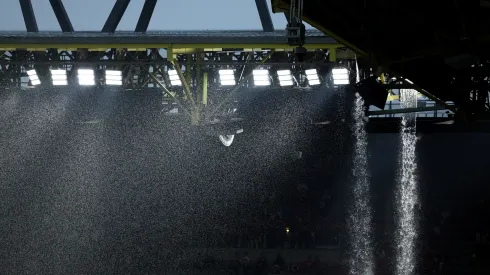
(201, 96)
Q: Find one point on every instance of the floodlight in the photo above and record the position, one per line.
(113, 77)
(59, 77)
(174, 78)
(227, 77)
(340, 76)
(33, 77)
(86, 77)
(312, 76)
(285, 77)
(261, 78)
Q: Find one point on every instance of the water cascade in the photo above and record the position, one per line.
(361, 256)
(407, 190)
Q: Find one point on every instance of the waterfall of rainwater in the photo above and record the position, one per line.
(361, 256)
(407, 191)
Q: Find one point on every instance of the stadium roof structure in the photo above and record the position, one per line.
(161, 39)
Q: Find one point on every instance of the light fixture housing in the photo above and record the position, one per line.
(227, 77)
(285, 77)
(312, 77)
(261, 78)
(174, 78)
(113, 77)
(33, 77)
(86, 77)
(340, 76)
(59, 77)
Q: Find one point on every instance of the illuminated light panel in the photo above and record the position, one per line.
(59, 77)
(33, 77)
(86, 77)
(174, 78)
(285, 77)
(227, 77)
(312, 76)
(261, 78)
(113, 77)
(340, 76)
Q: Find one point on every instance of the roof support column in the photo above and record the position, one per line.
(265, 15)
(61, 15)
(28, 13)
(115, 16)
(145, 16)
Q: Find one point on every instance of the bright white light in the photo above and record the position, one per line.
(261, 78)
(113, 73)
(113, 77)
(86, 77)
(311, 72)
(33, 77)
(226, 72)
(113, 82)
(228, 82)
(312, 76)
(314, 82)
(262, 83)
(340, 72)
(60, 82)
(59, 77)
(85, 72)
(285, 77)
(340, 76)
(58, 72)
(227, 77)
(341, 82)
(174, 78)
(260, 72)
(408, 80)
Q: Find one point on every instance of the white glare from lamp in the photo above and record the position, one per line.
(59, 77)
(312, 76)
(227, 77)
(113, 77)
(285, 77)
(174, 78)
(261, 78)
(33, 77)
(86, 77)
(340, 76)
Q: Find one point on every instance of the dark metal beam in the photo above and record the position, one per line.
(61, 15)
(265, 16)
(145, 16)
(406, 110)
(28, 13)
(116, 15)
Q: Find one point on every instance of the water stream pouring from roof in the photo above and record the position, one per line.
(407, 191)
(361, 259)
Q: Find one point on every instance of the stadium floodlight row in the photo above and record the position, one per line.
(227, 77)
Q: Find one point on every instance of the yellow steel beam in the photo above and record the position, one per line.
(332, 55)
(169, 94)
(187, 88)
(205, 88)
(178, 48)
